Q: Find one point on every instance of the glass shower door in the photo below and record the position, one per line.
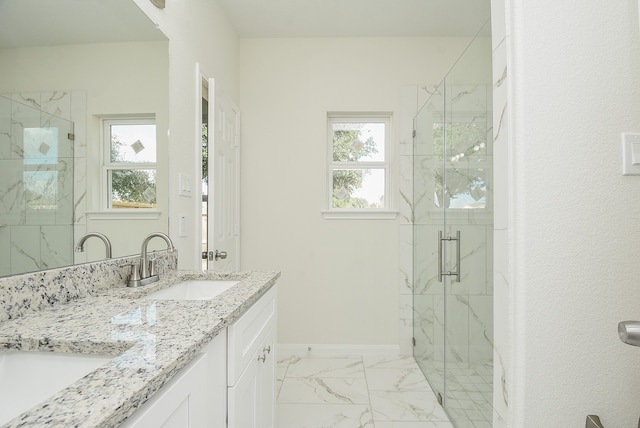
(453, 230)
(428, 294)
(467, 186)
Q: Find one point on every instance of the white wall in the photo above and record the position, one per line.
(339, 281)
(573, 218)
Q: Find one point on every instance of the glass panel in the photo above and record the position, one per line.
(358, 188)
(358, 142)
(132, 188)
(428, 294)
(452, 172)
(36, 204)
(466, 176)
(133, 143)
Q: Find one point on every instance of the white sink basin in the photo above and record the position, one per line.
(196, 289)
(28, 378)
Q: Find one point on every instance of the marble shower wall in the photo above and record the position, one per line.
(501, 355)
(422, 311)
(41, 199)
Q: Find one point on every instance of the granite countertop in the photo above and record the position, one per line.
(150, 342)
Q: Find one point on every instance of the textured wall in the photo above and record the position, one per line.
(573, 218)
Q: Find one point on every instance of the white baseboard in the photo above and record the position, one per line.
(286, 350)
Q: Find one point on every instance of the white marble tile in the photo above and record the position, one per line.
(56, 246)
(12, 211)
(405, 324)
(392, 379)
(30, 99)
(324, 416)
(431, 93)
(396, 424)
(425, 260)
(25, 248)
(481, 328)
(423, 327)
(5, 250)
(57, 103)
(405, 264)
(406, 406)
(466, 99)
(457, 328)
(498, 22)
(326, 367)
(389, 362)
(405, 186)
(473, 258)
(310, 390)
(5, 128)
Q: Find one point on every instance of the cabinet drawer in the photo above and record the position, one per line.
(248, 333)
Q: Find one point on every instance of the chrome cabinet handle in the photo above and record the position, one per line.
(262, 358)
(441, 240)
(267, 349)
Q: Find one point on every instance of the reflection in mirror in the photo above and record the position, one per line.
(67, 68)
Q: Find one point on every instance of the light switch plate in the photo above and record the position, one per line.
(184, 185)
(630, 154)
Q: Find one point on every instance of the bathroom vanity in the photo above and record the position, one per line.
(173, 363)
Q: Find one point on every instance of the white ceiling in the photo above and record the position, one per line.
(356, 18)
(27, 23)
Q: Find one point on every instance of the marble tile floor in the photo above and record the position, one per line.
(469, 394)
(355, 391)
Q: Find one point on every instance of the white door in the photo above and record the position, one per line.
(224, 182)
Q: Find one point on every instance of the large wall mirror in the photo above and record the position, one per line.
(70, 68)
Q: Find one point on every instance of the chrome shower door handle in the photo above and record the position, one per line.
(441, 240)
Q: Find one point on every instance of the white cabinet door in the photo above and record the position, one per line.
(252, 366)
(243, 399)
(267, 382)
(181, 403)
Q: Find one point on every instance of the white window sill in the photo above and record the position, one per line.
(360, 214)
(125, 214)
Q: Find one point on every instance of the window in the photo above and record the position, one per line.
(358, 164)
(129, 167)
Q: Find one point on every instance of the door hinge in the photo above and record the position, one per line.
(413, 134)
(71, 136)
(439, 398)
(413, 341)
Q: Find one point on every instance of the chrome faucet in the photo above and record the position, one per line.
(146, 274)
(107, 243)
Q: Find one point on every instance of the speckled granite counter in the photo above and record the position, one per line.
(150, 341)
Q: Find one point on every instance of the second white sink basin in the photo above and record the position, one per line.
(195, 289)
(28, 378)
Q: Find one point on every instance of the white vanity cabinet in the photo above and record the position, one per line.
(230, 384)
(195, 398)
(252, 365)
(181, 403)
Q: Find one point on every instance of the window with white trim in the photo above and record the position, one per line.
(358, 163)
(129, 163)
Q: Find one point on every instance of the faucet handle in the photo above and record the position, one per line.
(153, 268)
(134, 278)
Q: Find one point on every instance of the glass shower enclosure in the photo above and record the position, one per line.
(36, 188)
(453, 235)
